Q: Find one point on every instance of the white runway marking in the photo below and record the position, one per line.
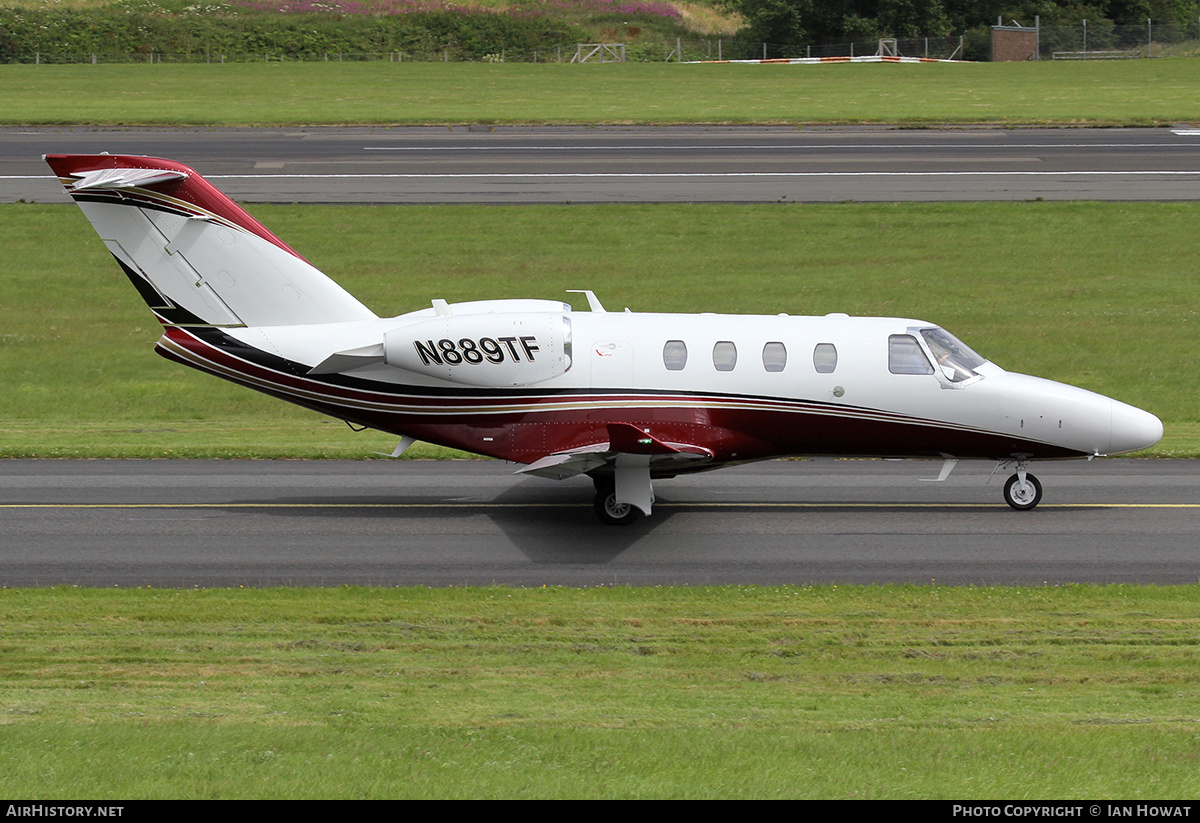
(696, 175)
(528, 505)
(715, 175)
(803, 146)
(793, 146)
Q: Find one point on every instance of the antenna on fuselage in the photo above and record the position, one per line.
(593, 300)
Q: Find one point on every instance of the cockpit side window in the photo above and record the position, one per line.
(905, 356)
(956, 360)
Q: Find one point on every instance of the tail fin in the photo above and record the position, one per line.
(194, 255)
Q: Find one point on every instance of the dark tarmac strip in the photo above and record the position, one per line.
(396, 523)
(637, 164)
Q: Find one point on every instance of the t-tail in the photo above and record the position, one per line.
(195, 256)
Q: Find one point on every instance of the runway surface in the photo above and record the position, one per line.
(638, 164)
(391, 523)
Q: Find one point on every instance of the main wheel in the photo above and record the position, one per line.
(1023, 496)
(612, 513)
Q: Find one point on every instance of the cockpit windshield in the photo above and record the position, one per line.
(955, 358)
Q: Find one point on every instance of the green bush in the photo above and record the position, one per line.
(69, 35)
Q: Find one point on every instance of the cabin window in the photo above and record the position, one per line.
(774, 357)
(724, 356)
(674, 355)
(905, 356)
(825, 358)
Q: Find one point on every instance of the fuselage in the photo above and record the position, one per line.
(520, 380)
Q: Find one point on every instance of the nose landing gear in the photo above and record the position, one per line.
(1022, 491)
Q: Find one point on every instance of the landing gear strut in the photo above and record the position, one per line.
(1022, 491)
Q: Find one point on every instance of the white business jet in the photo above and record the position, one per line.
(623, 397)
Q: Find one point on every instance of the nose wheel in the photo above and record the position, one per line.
(1022, 491)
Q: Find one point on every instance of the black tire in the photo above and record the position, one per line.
(1023, 498)
(611, 513)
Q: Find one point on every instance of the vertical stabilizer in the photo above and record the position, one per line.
(196, 257)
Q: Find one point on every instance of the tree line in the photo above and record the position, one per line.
(826, 21)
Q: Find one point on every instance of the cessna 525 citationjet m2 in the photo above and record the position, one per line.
(623, 397)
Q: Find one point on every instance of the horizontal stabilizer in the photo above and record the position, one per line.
(125, 178)
(343, 361)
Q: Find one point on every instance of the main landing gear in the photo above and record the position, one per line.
(608, 510)
(625, 495)
(1022, 491)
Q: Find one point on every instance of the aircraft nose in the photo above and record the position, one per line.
(1133, 429)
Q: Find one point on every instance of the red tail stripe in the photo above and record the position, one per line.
(194, 189)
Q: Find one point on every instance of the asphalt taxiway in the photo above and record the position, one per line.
(394, 523)
(628, 164)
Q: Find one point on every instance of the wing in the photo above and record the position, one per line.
(623, 439)
(631, 456)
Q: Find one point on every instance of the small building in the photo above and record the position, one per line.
(1015, 42)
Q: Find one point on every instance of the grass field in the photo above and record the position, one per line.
(1117, 93)
(831, 692)
(1097, 295)
(755, 692)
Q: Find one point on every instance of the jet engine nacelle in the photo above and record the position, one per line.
(490, 350)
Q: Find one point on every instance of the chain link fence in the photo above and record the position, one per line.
(1106, 41)
(679, 50)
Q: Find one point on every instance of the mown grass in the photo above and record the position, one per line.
(1098, 295)
(869, 692)
(1127, 92)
